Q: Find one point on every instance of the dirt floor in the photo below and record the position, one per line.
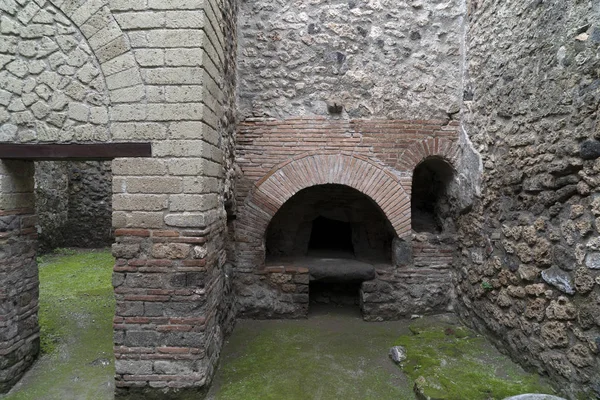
(333, 354)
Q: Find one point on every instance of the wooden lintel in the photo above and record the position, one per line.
(67, 151)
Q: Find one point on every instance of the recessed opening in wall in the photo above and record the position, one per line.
(338, 233)
(329, 237)
(429, 195)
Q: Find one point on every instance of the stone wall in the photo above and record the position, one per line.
(19, 332)
(528, 272)
(51, 88)
(74, 204)
(172, 282)
(381, 58)
(159, 76)
(351, 93)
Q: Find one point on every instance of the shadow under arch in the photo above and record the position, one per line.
(431, 179)
(384, 188)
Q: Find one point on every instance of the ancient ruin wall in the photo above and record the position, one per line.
(161, 63)
(529, 270)
(74, 204)
(380, 58)
(375, 80)
(174, 297)
(51, 88)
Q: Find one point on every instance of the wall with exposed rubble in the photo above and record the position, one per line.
(529, 271)
(381, 58)
(74, 204)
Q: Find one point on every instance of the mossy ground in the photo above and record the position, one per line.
(452, 362)
(76, 311)
(328, 356)
(331, 355)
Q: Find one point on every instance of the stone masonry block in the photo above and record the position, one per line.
(167, 38)
(185, 19)
(133, 367)
(125, 5)
(176, 4)
(105, 35)
(150, 57)
(193, 202)
(164, 184)
(194, 166)
(180, 148)
(128, 112)
(176, 76)
(193, 130)
(170, 250)
(189, 220)
(113, 49)
(128, 95)
(138, 166)
(9, 184)
(178, 112)
(13, 201)
(118, 64)
(16, 168)
(197, 184)
(174, 367)
(140, 20)
(139, 131)
(141, 202)
(124, 79)
(137, 219)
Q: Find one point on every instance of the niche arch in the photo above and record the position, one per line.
(267, 196)
(431, 181)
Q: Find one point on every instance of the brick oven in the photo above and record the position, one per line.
(325, 215)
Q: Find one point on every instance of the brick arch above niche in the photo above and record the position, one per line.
(430, 147)
(370, 178)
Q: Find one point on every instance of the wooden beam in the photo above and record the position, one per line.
(68, 151)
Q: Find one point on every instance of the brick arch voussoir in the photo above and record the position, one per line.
(311, 169)
(96, 22)
(431, 147)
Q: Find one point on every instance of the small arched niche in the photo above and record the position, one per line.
(430, 205)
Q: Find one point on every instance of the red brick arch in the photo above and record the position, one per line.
(282, 182)
(431, 147)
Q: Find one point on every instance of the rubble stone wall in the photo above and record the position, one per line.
(382, 58)
(528, 271)
(74, 204)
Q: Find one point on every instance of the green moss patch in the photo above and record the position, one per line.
(452, 362)
(76, 310)
(299, 360)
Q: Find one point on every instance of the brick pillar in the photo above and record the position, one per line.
(19, 285)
